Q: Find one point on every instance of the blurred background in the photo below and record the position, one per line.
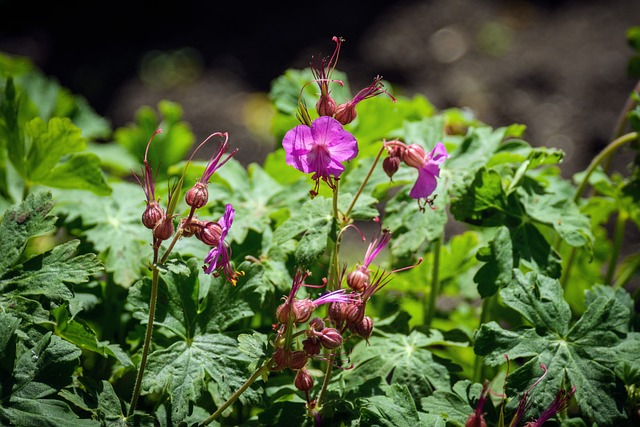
(559, 67)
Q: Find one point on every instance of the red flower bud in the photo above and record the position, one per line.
(363, 328)
(345, 113)
(317, 324)
(283, 311)
(302, 310)
(390, 165)
(197, 196)
(298, 359)
(326, 106)
(281, 359)
(303, 380)
(152, 215)
(164, 229)
(330, 338)
(337, 312)
(414, 156)
(209, 233)
(354, 313)
(358, 279)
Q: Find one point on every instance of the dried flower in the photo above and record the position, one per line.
(320, 149)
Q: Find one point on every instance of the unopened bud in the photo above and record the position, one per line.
(363, 328)
(358, 279)
(164, 229)
(337, 312)
(330, 338)
(281, 359)
(283, 311)
(209, 233)
(326, 106)
(354, 313)
(298, 359)
(152, 215)
(390, 165)
(345, 113)
(302, 310)
(475, 420)
(414, 156)
(197, 196)
(303, 380)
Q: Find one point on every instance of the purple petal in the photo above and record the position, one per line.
(425, 184)
(438, 154)
(296, 144)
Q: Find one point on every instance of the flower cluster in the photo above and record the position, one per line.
(211, 233)
(320, 147)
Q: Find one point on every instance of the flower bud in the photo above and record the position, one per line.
(302, 310)
(414, 156)
(197, 196)
(354, 313)
(345, 113)
(283, 311)
(475, 420)
(390, 165)
(337, 312)
(358, 279)
(311, 346)
(152, 215)
(330, 338)
(209, 233)
(281, 358)
(326, 106)
(363, 328)
(298, 359)
(164, 229)
(303, 380)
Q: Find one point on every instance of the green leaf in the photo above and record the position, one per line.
(200, 351)
(395, 408)
(50, 274)
(79, 171)
(583, 354)
(20, 223)
(113, 225)
(400, 359)
(498, 267)
(454, 406)
(42, 412)
(483, 201)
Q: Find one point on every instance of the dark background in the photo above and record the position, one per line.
(557, 66)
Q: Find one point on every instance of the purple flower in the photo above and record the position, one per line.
(218, 257)
(560, 402)
(320, 149)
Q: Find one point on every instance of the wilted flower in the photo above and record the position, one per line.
(560, 402)
(322, 72)
(320, 149)
(153, 214)
(358, 279)
(218, 256)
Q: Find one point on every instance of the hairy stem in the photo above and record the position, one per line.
(257, 374)
(435, 281)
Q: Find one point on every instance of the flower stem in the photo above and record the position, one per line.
(435, 281)
(604, 154)
(618, 238)
(325, 382)
(237, 394)
(364, 183)
(147, 339)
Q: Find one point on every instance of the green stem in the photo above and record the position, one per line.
(325, 382)
(334, 268)
(435, 282)
(609, 149)
(236, 395)
(364, 182)
(604, 154)
(147, 339)
(618, 237)
(485, 316)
